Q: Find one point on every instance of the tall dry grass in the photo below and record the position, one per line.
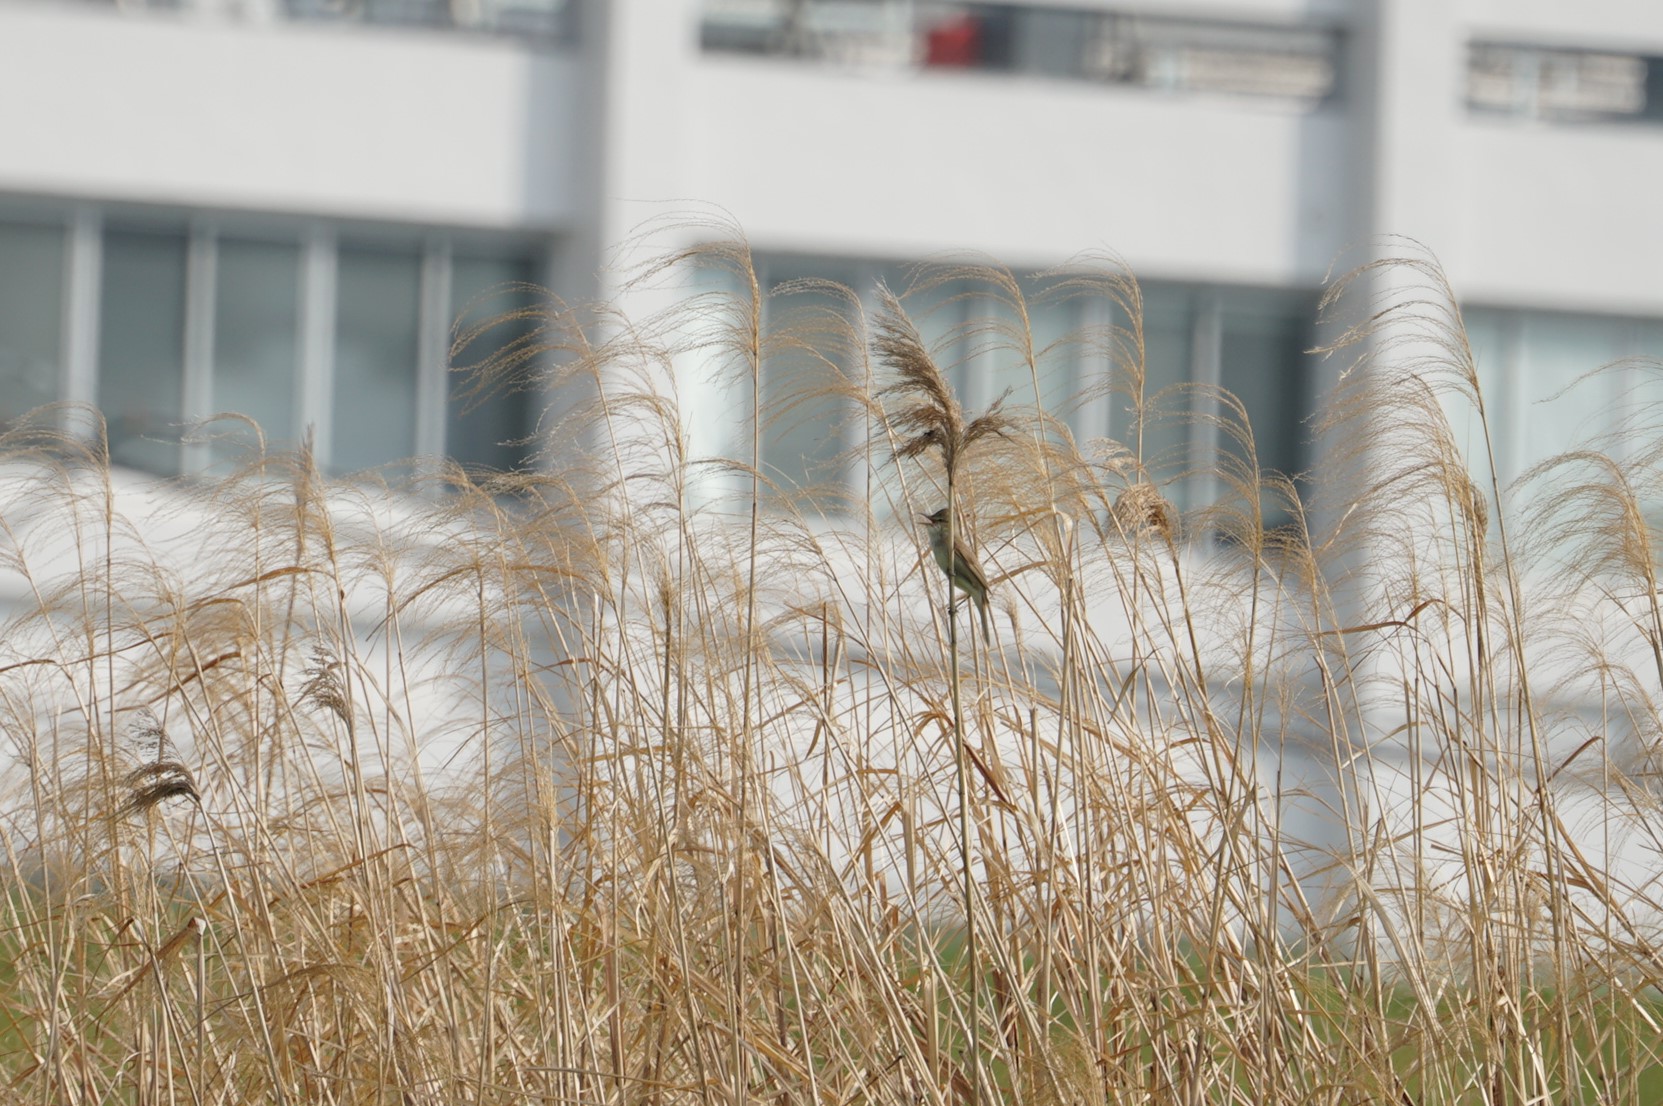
(640, 778)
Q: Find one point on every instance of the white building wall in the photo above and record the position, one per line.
(576, 145)
(423, 126)
(1027, 170)
(901, 163)
(1559, 220)
(1599, 24)
(347, 122)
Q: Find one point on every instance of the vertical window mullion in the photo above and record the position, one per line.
(317, 339)
(865, 276)
(1093, 363)
(432, 373)
(1515, 438)
(1628, 380)
(198, 393)
(753, 439)
(979, 351)
(1207, 373)
(83, 277)
(33, 264)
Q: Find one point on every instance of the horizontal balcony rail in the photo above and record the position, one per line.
(1292, 62)
(549, 20)
(1556, 84)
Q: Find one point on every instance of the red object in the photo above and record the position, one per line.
(954, 43)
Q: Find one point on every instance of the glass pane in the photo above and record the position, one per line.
(31, 316)
(974, 332)
(1493, 337)
(1639, 419)
(1560, 411)
(1263, 363)
(1000, 360)
(491, 428)
(140, 347)
(1054, 325)
(715, 405)
(805, 421)
(378, 311)
(992, 355)
(1051, 43)
(256, 327)
(1168, 327)
(1640, 409)
(939, 312)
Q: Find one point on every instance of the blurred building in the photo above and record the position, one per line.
(279, 207)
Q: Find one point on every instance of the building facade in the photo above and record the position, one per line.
(281, 207)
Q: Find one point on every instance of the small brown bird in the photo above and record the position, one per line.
(961, 567)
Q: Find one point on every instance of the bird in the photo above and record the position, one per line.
(961, 568)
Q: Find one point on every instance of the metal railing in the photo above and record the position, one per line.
(551, 20)
(1294, 62)
(1563, 85)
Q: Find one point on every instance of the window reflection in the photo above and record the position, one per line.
(1541, 388)
(999, 350)
(1491, 335)
(256, 340)
(141, 347)
(941, 310)
(1156, 429)
(1250, 342)
(805, 416)
(378, 314)
(1560, 408)
(1565, 85)
(1263, 363)
(31, 309)
(491, 426)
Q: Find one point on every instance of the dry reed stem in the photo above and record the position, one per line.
(567, 786)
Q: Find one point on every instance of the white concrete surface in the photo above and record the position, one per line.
(347, 122)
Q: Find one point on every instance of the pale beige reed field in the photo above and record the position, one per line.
(641, 778)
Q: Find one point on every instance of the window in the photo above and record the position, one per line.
(554, 20)
(806, 417)
(377, 351)
(996, 359)
(31, 309)
(493, 427)
(1544, 397)
(256, 338)
(141, 339)
(1291, 62)
(1262, 362)
(1555, 382)
(1162, 442)
(855, 32)
(1563, 85)
(976, 334)
(1250, 342)
(185, 323)
(1288, 62)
